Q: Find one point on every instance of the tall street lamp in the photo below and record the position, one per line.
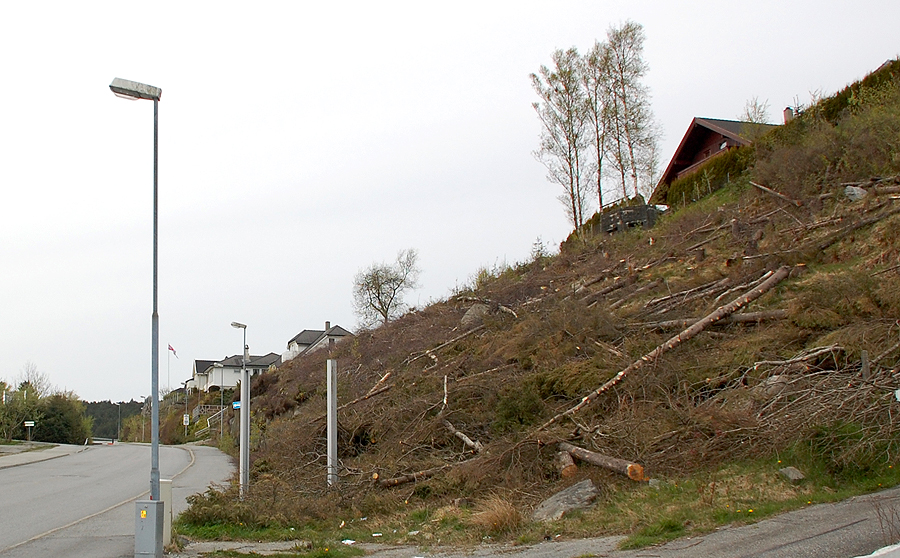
(244, 465)
(134, 90)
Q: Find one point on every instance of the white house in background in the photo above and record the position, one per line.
(213, 375)
(311, 340)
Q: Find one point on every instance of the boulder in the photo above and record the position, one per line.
(474, 316)
(577, 497)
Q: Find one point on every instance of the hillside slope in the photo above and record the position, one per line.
(811, 363)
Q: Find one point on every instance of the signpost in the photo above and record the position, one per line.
(29, 424)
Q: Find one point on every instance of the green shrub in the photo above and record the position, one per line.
(716, 173)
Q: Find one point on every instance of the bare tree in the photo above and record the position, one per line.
(634, 147)
(754, 116)
(595, 79)
(564, 134)
(378, 290)
(34, 381)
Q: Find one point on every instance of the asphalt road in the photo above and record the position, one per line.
(82, 504)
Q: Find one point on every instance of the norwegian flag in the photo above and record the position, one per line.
(173, 351)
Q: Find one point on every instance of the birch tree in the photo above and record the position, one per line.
(564, 134)
(595, 79)
(634, 149)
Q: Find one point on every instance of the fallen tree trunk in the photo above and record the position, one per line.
(747, 317)
(411, 477)
(778, 195)
(631, 470)
(428, 352)
(854, 227)
(688, 333)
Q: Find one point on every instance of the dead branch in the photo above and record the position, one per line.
(888, 270)
(804, 356)
(602, 277)
(777, 194)
(379, 383)
(743, 287)
(707, 241)
(477, 446)
(610, 348)
(660, 300)
(618, 284)
(746, 317)
(890, 350)
(685, 335)
(411, 477)
(372, 393)
(621, 466)
(854, 227)
(640, 290)
(495, 369)
(716, 287)
(428, 352)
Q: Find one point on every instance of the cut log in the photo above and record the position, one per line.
(688, 333)
(621, 466)
(566, 464)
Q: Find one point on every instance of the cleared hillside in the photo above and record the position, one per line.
(807, 369)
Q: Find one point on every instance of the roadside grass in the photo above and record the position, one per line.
(733, 494)
(334, 551)
(739, 493)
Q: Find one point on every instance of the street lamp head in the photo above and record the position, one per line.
(134, 90)
(238, 325)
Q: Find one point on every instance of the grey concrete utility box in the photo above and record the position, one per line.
(148, 528)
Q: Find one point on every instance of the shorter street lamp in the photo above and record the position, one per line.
(221, 397)
(244, 465)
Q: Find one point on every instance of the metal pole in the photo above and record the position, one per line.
(331, 430)
(154, 344)
(244, 469)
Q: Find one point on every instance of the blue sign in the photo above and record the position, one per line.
(236, 405)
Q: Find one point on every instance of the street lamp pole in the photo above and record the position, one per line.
(134, 90)
(244, 465)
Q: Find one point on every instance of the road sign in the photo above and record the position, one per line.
(236, 405)
(186, 420)
(29, 423)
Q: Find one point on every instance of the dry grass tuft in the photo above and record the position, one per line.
(496, 515)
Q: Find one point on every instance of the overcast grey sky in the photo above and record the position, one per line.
(301, 141)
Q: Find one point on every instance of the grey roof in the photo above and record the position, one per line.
(201, 366)
(307, 337)
(735, 129)
(313, 336)
(256, 361)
